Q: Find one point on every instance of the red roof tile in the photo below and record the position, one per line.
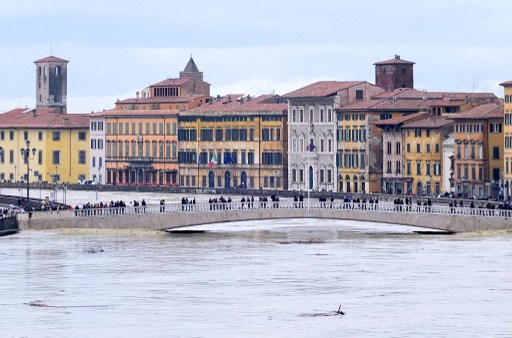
(135, 113)
(486, 111)
(51, 59)
(257, 104)
(402, 119)
(506, 84)
(428, 122)
(322, 89)
(43, 118)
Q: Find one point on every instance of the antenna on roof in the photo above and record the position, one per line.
(51, 47)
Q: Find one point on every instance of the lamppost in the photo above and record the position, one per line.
(1, 155)
(25, 153)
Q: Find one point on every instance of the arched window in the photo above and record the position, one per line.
(57, 71)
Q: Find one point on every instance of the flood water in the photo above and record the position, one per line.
(282, 278)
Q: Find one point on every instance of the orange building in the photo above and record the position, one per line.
(141, 147)
(478, 153)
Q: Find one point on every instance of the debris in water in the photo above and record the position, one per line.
(94, 249)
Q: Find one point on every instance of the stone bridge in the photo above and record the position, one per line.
(171, 216)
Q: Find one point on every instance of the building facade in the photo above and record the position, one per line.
(312, 130)
(141, 147)
(423, 139)
(97, 168)
(478, 151)
(507, 131)
(235, 144)
(61, 143)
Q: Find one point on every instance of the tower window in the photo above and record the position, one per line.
(57, 71)
(403, 71)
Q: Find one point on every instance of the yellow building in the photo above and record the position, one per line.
(141, 147)
(478, 153)
(61, 143)
(507, 131)
(423, 154)
(230, 143)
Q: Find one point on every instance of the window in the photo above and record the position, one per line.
(39, 136)
(311, 116)
(495, 128)
(25, 135)
(56, 135)
(418, 148)
(496, 153)
(81, 157)
(56, 157)
(359, 94)
(11, 135)
(428, 147)
(390, 147)
(408, 147)
(418, 168)
(81, 136)
(437, 148)
(417, 132)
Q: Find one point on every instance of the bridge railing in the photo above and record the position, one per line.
(289, 204)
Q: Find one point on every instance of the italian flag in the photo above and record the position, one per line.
(213, 160)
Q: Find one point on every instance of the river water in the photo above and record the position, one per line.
(281, 278)
(256, 279)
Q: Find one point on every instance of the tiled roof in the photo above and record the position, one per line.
(134, 113)
(428, 122)
(396, 60)
(171, 82)
(486, 111)
(506, 84)
(322, 89)
(160, 99)
(51, 59)
(402, 119)
(43, 118)
(387, 105)
(257, 104)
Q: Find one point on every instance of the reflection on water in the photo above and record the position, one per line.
(251, 279)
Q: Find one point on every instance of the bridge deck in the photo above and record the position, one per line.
(156, 217)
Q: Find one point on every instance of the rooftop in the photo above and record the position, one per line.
(135, 113)
(263, 103)
(428, 122)
(396, 60)
(51, 59)
(486, 111)
(322, 89)
(43, 118)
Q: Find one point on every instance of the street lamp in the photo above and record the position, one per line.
(1, 155)
(25, 153)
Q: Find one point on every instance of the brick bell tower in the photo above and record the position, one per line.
(394, 73)
(51, 83)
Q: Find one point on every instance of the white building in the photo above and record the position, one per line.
(97, 153)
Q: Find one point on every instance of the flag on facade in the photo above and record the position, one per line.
(213, 160)
(228, 158)
(311, 146)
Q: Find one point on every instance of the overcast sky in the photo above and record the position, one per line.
(116, 48)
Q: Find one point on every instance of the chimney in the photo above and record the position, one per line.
(137, 94)
(397, 57)
(34, 113)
